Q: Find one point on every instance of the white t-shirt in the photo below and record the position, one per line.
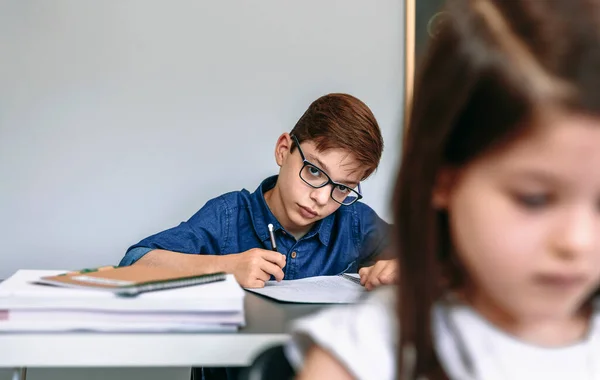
(363, 338)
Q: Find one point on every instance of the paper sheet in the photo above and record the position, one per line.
(321, 289)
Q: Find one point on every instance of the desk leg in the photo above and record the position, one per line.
(20, 374)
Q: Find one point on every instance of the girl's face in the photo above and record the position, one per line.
(525, 221)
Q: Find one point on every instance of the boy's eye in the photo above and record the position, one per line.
(314, 171)
(342, 189)
(533, 201)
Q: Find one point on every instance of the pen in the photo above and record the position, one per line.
(273, 244)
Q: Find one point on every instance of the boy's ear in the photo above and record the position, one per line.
(442, 189)
(283, 148)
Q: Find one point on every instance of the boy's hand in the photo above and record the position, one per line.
(255, 266)
(384, 272)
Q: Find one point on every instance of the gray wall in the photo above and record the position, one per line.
(120, 118)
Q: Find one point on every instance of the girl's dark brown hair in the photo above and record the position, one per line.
(495, 67)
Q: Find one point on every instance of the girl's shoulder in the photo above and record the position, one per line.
(361, 336)
(595, 327)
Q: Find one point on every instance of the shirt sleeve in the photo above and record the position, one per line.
(362, 336)
(206, 232)
(374, 236)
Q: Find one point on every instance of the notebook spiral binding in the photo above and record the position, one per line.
(172, 284)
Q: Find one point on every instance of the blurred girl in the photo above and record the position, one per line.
(497, 209)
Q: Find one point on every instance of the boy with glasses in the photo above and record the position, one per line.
(319, 227)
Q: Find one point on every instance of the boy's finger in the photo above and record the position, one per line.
(364, 274)
(256, 284)
(272, 269)
(372, 283)
(376, 272)
(274, 257)
(388, 275)
(262, 275)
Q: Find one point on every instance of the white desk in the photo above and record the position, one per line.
(266, 325)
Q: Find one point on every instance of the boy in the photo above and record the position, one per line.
(319, 227)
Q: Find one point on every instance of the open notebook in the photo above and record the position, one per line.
(344, 288)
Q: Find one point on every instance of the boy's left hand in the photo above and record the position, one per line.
(383, 272)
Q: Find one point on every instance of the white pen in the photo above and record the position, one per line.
(273, 244)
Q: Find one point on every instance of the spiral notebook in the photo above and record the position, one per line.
(129, 281)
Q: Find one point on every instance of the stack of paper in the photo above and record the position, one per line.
(26, 306)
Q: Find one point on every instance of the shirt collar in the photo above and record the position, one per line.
(262, 215)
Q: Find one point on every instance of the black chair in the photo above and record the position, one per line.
(271, 364)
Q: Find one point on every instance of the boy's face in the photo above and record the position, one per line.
(525, 221)
(298, 205)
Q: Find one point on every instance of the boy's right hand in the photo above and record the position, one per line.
(255, 266)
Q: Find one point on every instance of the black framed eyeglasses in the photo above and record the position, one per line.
(316, 178)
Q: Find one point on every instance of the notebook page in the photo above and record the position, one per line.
(320, 289)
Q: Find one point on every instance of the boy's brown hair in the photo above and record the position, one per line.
(341, 121)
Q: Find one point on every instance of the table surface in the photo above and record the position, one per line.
(266, 322)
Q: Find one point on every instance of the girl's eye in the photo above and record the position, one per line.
(533, 201)
(343, 189)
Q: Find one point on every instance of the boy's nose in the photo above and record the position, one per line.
(321, 196)
(578, 234)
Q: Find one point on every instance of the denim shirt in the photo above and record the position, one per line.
(237, 221)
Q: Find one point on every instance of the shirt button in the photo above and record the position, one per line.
(294, 255)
